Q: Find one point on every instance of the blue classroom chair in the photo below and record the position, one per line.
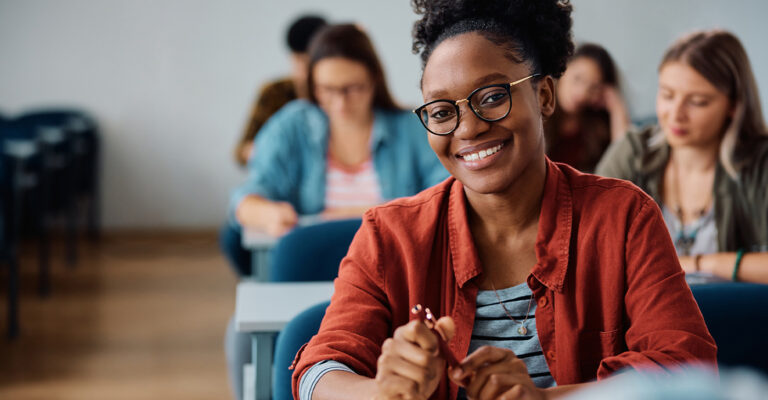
(294, 335)
(736, 316)
(313, 252)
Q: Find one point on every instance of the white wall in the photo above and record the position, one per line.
(171, 81)
(636, 33)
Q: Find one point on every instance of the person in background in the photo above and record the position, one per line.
(348, 148)
(590, 110)
(275, 95)
(546, 278)
(706, 163)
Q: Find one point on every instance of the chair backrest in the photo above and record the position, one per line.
(312, 253)
(297, 332)
(737, 317)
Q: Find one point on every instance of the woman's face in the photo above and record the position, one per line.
(343, 88)
(458, 66)
(691, 111)
(581, 86)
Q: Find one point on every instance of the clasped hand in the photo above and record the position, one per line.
(410, 367)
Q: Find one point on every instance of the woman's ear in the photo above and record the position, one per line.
(546, 94)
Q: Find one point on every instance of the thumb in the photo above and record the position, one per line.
(446, 327)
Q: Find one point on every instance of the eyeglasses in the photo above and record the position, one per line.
(489, 103)
(351, 90)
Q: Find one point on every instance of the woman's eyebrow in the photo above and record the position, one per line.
(696, 92)
(483, 80)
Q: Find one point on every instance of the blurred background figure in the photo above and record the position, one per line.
(590, 109)
(706, 163)
(346, 149)
(275, 95)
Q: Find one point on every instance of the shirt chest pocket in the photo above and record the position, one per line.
(595, 346)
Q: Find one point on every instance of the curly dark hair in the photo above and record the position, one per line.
(535, 31)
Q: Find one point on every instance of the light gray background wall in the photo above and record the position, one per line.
(171, 81)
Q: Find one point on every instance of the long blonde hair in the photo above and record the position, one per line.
(720, 58)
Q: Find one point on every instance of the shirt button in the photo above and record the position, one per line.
(551, 355)
(543, 302)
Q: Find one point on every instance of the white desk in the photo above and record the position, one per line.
(262, 309)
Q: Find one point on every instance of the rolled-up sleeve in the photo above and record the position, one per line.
(358, 291)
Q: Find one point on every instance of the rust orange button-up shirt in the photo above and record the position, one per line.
(609, 288)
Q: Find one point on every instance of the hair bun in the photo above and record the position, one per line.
(541, 27)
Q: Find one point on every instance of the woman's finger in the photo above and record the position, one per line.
(501, 383)
(506, 371)
(392, 386)
(485, 355)
(447, 328)
(396, 365)
(417, 333)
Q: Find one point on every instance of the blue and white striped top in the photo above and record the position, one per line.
(492, 327)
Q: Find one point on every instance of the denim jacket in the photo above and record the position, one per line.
(291, 151)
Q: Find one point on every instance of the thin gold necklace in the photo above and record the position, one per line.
(522, 329)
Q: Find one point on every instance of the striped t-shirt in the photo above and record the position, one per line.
(492, 327)
(351, 187)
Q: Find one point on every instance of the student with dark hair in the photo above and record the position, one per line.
(590, 110)
(275, 95)
(349, 148)
(706, 163)
(546, 278)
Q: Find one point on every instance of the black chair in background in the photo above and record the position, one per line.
(8, 254)
(69, 146)
(82, 146)
(23, 194)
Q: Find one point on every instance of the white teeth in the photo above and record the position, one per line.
(482, 153)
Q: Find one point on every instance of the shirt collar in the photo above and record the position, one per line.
(552, 241)
(380, 129)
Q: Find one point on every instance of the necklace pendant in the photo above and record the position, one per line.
(522, 330)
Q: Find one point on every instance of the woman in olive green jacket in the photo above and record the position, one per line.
(706, 164)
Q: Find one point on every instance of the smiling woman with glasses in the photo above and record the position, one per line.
(546, 278)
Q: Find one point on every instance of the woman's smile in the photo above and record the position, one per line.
(481, 156)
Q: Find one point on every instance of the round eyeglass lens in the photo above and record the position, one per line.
(439, 117)
(491, 103)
